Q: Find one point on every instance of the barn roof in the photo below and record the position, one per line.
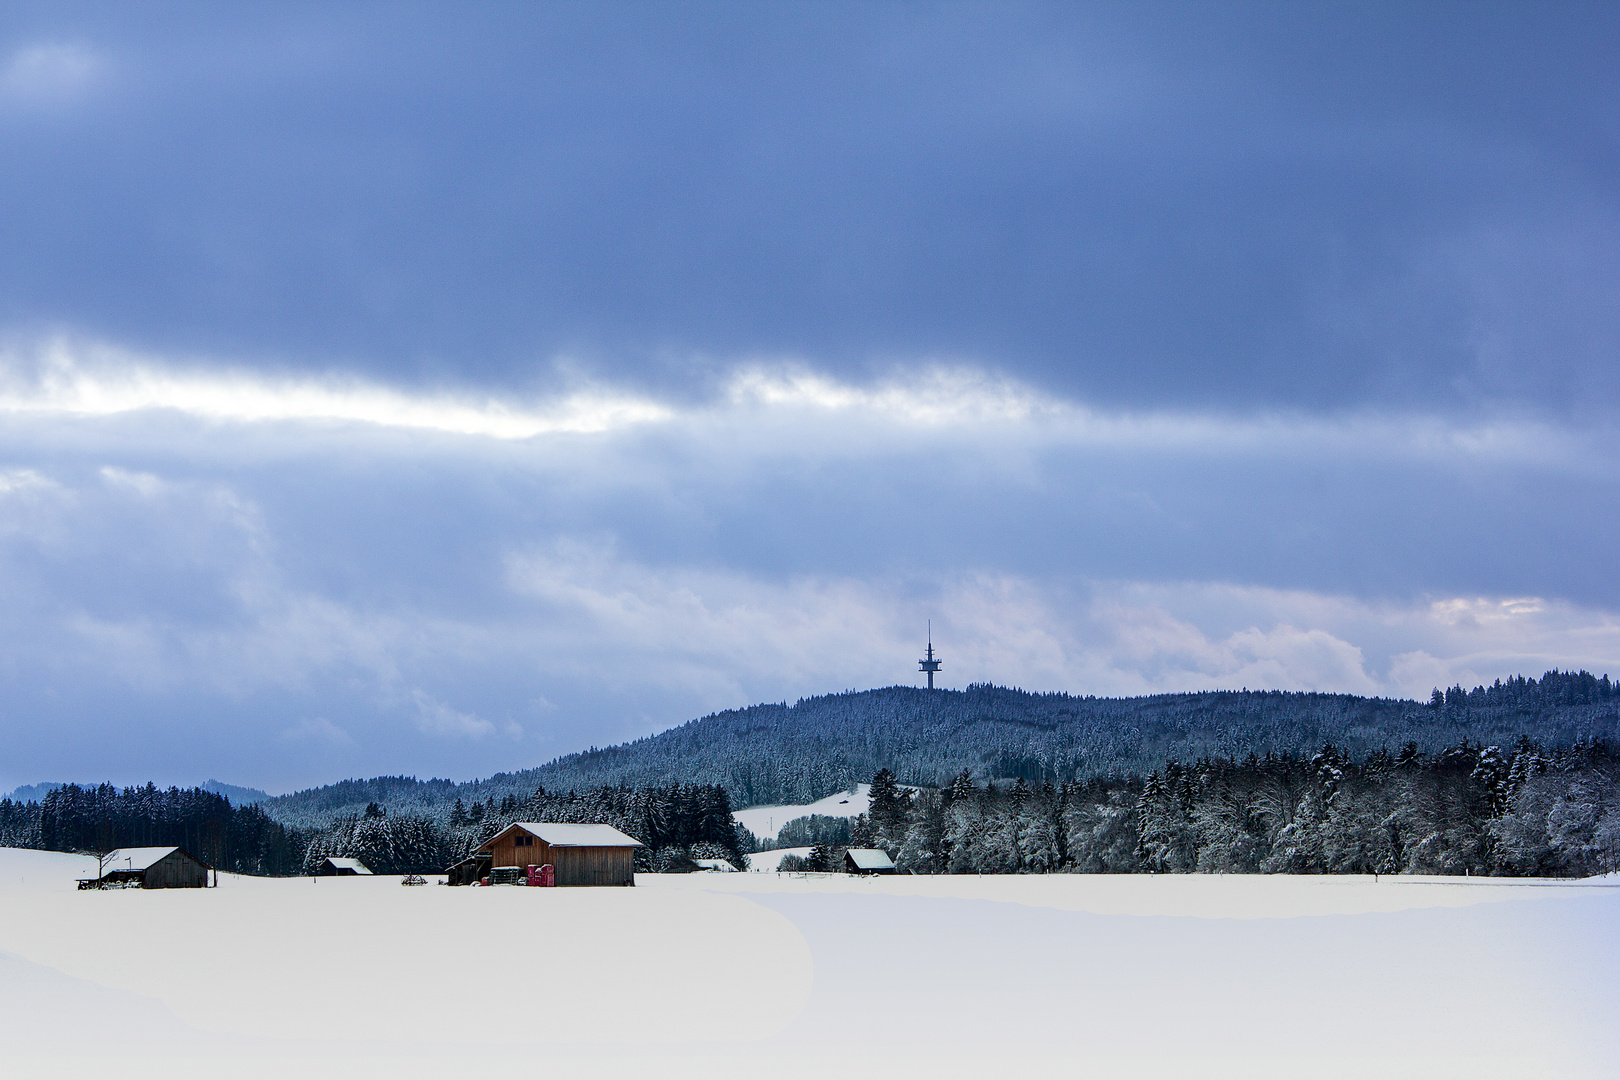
(870, 859)
(134, 858)
(349, 864)
(568, 835)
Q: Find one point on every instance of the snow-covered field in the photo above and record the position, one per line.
(765, 821)
(761, 862)
(753, 975)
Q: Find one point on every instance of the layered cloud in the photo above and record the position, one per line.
(281, 576)
(1107, 638)
(63, 378)
(430, 391)
(1138, 207)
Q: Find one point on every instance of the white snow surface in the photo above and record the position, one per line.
(766, 821)
(746, 975)
(769, 861)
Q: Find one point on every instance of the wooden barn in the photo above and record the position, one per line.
(858, 860)
(343, 868)
(581, 854)
(154, 868)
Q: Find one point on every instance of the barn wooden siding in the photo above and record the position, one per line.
(574, 865)
(176, 870)
(595, 866)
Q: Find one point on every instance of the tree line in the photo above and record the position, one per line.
(775, 754)
(676, 822)
(1468, 809)
(97, 819)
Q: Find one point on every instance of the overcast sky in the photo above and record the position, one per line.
(438, 389)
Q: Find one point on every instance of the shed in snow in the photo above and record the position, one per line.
(154, 868)
(343, 868)
(718, 866)
(860, 860)
(580, 854)
(472, 868)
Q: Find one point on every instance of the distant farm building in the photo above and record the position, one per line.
(580, 854)
(343, 868)
(718, 866)
(154, 868)
(860, 860)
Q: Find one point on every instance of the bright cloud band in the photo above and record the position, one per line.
(61, 379)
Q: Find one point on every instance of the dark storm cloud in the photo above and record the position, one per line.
(1139, 204)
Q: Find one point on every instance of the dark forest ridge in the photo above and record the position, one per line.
(780, 753)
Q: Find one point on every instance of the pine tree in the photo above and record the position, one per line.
(888, 810)
(962, 787)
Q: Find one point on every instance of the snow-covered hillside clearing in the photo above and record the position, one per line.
(766, 821)
(751, 975)
(761, 862)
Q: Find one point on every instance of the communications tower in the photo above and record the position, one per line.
(928, 663)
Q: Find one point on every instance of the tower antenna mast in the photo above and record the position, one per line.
(928, 663)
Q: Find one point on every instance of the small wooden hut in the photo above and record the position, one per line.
(472, 868)
(868, 861)
(154, 868)
(580, 854)
(331, 867)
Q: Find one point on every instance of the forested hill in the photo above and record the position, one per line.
(796, 753)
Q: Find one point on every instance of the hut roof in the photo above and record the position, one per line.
(568, 835)
(134, 858)
(870, 859)
(349, 864)
(718, 865)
